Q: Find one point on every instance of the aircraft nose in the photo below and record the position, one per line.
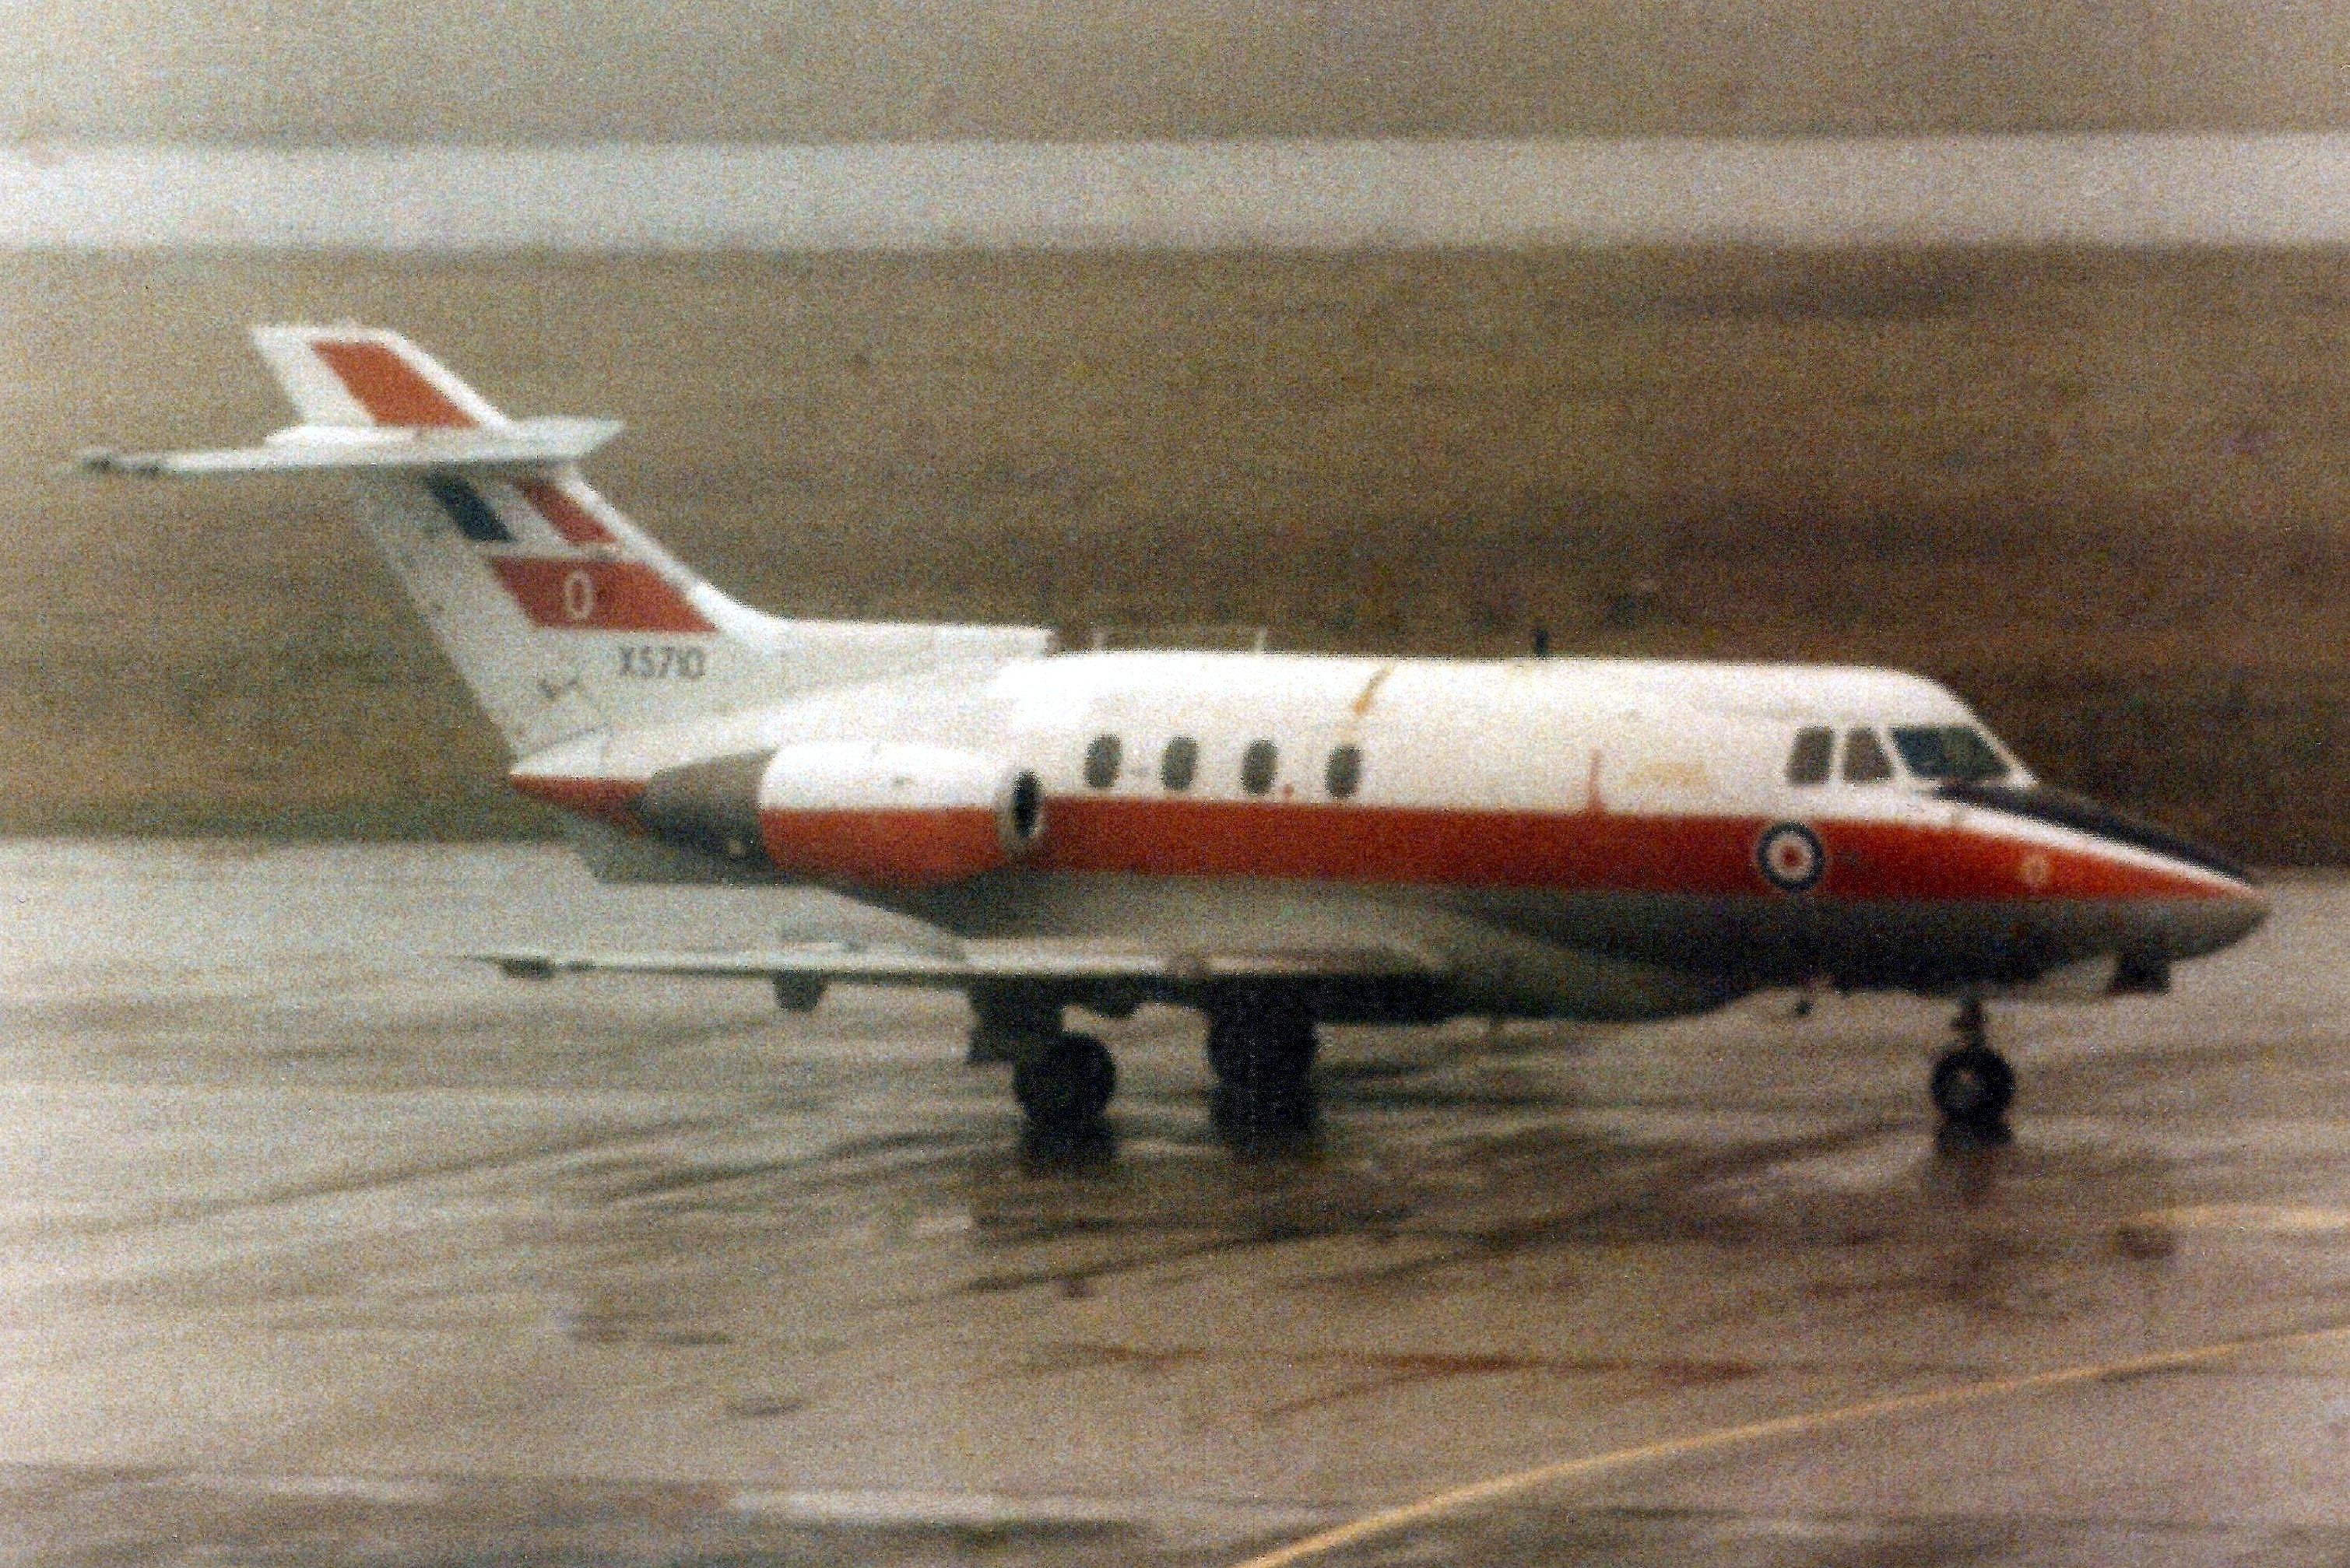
(2223, 905)
(2224, 921)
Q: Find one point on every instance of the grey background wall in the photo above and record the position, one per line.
(322, 70)
(2102, 491)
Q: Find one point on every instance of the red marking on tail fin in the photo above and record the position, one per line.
(564, 515)
(596, 596)
(387, 386)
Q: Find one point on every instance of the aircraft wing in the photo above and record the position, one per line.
(981, 963)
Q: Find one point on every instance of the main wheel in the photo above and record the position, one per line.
(1262, 1056)
(1066, 1084)
(1261, 1045)
(1973, 1087)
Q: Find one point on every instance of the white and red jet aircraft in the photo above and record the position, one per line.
(1277, 841)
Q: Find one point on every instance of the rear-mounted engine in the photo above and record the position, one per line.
(852, 812)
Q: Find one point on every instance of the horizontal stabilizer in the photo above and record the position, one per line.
(517, 446)
(978, 963)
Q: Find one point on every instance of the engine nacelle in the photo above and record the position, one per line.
(853, 813)
(895, 814)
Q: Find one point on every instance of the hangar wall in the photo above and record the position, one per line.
(2101, 493)
(312, 71)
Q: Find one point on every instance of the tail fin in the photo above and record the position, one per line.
(354, 376)
(562, 616)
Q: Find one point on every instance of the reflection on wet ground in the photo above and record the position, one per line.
(323, 1246)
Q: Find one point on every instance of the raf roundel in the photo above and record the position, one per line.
(1791, 858)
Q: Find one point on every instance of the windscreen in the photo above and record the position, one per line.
(1949, 752)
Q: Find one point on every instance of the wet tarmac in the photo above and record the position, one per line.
(322, 1246)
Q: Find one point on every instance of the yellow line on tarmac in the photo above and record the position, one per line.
(1460, 1498)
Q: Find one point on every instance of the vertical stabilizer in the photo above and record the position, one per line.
(564, 618)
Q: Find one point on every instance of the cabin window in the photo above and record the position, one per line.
(1343, 775)
(1180, 762)
(1102, 758)
(1864, 758)
(1949, 752)
(1258, 763)
(1814, 757)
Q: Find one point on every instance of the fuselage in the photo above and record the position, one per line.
(1560, 836)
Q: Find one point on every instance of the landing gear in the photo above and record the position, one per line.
(797, 992)
(1063, 1081)
(1064, 1085)
(1973, 1084)
(1262, 1051)
(1008, 1024)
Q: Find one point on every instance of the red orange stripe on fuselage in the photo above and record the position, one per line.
(896, 848)
(606, 800)
(1710, 857)
(1449, 846)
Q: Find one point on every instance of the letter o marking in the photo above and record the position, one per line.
(1791, 858)
(578, 596)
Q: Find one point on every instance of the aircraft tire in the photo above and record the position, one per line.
(1262, 1056)
(1972, 1086)
(1068, 1084)
(797, 993)
(1262, 1048)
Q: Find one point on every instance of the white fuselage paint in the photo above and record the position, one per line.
(1679, 766)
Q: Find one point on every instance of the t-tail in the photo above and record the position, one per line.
(565, 620)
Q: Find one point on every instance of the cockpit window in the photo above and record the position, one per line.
(1864, 761)
(1814, 755)
(1944, 752)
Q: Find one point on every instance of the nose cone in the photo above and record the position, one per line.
(2206, 925)
(2209, 901)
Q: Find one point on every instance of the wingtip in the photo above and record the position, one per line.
(518, 966)
(114, 460)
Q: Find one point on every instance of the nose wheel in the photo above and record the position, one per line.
(1973, 1084)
